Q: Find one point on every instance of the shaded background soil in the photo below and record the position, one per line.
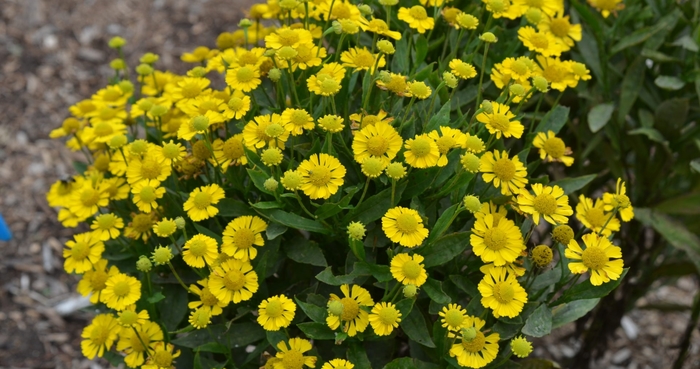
(53, 53)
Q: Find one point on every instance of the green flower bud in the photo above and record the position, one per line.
(116, 42)
(410, 291)
(563, 234)
(274, 74)
(335, 307)
(472, 203)
(356, 231)
(144, 69)
(488, 37)
(180, 222)
(469, 333)
(271, 184)
(143, 264)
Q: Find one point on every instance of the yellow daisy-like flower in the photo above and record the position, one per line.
(207, 300)
(499, 243)
(419, 90)
(163, 356)
(521, 347)
(245, 78)
(233, 281)
(121, 290)
(94, 280)
(308, 55)
(606, 7)
(103, 132)
(327, 81)
(276, 312)
(230, 152)
(131, 342)
(502, 293)
(552, 148)
(265, 130)
(540, 42)
(151, 167)
(353, 318)
(417, 18)
(286, 36)
(379, 27)
(322, 175)
(291, 355)
(379, 140)
(510, 175)
(558, 73)
(198, 55)
(60, 192)
(548, 7)
(594, 217)
(562, 29)
(338, 364)
(551, 203)
(82, 252)
(129, 317)
(236, 107)
(408, 269)
(241, 234)
(99, 336)
(165, 228)
(462, 69)
(297, 120)
(404, 226)
(362, 59)
(499, 122)
(141, 226)
(396, 84)
(620, 201)
(384, 318)
(200, 249)
(331, 123)
(363, 120)
(454, 317)
(187, 89)
(200, 318)
(421, 152)
(476, 350)
(597, 257)
(87, 199)
(446, 139)
(199, 205)
(146, 193)
(106, 226)
(512, 268)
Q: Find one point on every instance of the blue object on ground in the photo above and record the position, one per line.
(5, 234)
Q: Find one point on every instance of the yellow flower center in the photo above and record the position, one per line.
(539, 41)
(244, 238)
(136, 343)
(163, 359)
(198, 247)
(107, 113)
(274, 308)
(171, 151)
(128, 317)
(320, 176)
(388, 315)
(554, 72)
(106, 221)
(299, 117)
(293, 359)
(148, 194)
(535, 3)
(145, 105)
(378, 26)
(503, 292)
(150, 169)
(363, 59)
(596, 217)
(411, 269)
(406, 223)
(372, 167)
(89, 197)
(287, 37)
(554, 147)
(201, 318)
(244, 74)
(111, 95)
(99, 334)
(274, 130)
(476, 344)
(463, 70)
(519, 67)
(208, 298)
(329, 85)
(594, 258)
(341, 11)
(560, 27)
(418, 12)
(208, 105)
(545, 204)
(621, 201)
(103, 129)
(500, 122)
(304, 54)
(419, 89)
(235, 104)
(202, 200)
(234, 280)
(248, 58)
(377, 145)
(98, 280)
(495, 239)
(351, 309)
(504, 169)
(454, 318)
(445, 143)
(233, 148)
(141, 223)
(80, 251)
(498, 6)
(420, 146)
(121, 288)
(191, 90)
(369, 120)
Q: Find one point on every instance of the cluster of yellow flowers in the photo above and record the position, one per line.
(314, 103)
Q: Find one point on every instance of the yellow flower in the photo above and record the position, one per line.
(552, 148)
(245, 78)
(276, 312)
(418, 90)
(198, 55)
(499, 243)
(99, 336)
(200, 204)
(395, 83)
(331, 123)
(237, 106)
(297, 120)
(605, 7)
(286, 36)
(121, 290)
(241, 234)
(507, 174)
(421, 152)
(151, 167)
(338, 364)
(187, 89)
(207, 300)
(363, 120)
(230, 152)
(82, 252)
(502, 293)
(103, 132)
(140, 226)
(200, 318)
(379, 140)
(87, 199)
(551, 203)
(477, 350)
(447, 139)
(504, 8)
(558, 73)
(408, 269)
(265, 130)
(594, 216)
(540, 42)
(200, 249)
(146, 193)
(107, 226)
(129, 317)
(361, 59)
(499, 122)
(579, 70)
(512, 268)
(94, 279)
(462, 69)
(163, 357)
(60, 192)
(597, 257)
(308, 55)
(165, 228)
(560, 27)
(353, 318)
(322, 176)
(404, 226)
(454, 317)
(291, 355)
(620, 201)
(327, 81)
(548, 7)
(233, 281)
(521, 347)
(130, 342)
(379, 27)
(417, 18)
(384, 318)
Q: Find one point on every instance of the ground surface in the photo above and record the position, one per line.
(52, 54)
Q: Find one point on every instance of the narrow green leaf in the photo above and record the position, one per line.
(670, 83)
(555, 120)
(326, 276)
(651, 134)
(233, 208)
(695, 165)
(571, 185)
(207, 232)
(572, 311)
(329, 209)
(599, 116)
(405, 306)
(173, 307)
(539, 324)
(315, 313)
(643, 34)
(434, 290)
(357, 355)
(442, 118)
(305, 251)
(631, 85)
(421, 50)
(414, 327)
(442, 223)
(445, 249)
(259, 179)
(374, 207)
(506, 331)
(381, 273)
(585, 290)
(688, 204)
(465, 284)
(155, 298)
(546, 279)
(294, 221)
(673, 231)
(687, 43)
(316, 331)
(275, 230)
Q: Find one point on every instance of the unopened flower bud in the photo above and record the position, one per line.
(158, 110)
(117, 64)
(180, 222)
(468, 333)
(488, 37)
(126, 86)
(274, 74)
(563, 234)
(271, 184)
(337, 27)
(143, 264)
(450, 79)
(517, 90)
(472, 203)
(245, 23)
(365, 9)
(385, 76)
(410, 291)
(144, 69)
(470, 162)
(540, 83)
(356, 231)
(149, 58)
(116, 42)
(117, 141)
(335, 307)
(386, 47)
(487, 106)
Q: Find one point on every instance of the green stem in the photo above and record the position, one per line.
(177, 276)
(364, 192)
(481, 76)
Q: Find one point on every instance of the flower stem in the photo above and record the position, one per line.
(177, 276)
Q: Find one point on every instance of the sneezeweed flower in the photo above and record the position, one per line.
(500, 121)
(244, 78)
(561, 28)
(378, 140)
(322, 175)
(379, 27)
(241, 234)
(99, 336)
(338, 364)
(327, 81)
(508, 174)
(472, 203)
(331, 123)
(421, 152)
(551, 203)
(291, 354)
(512, 268)
(129, 317)
(454, 317)
(450, 79)
(619, 201)
(446, 139)
(361, 59)
(173, 151)
(502, 293)
(107, 226)
(291, 180)
(87, 199)
(462, 69)
(162, 255)
(419, 90)
(470, 162)
(163, 356)
(165, 228)
(521, 347)
(408, 269)
(386, 47)
(94, 280)
(563, 234)
(552, 148)
(236, 107)
(276, 312)
(82, 252)
(499, 243)
(543, 43)
(207, 300)
(395, 171)
(146, 193)
(472, 348)
(372, 167)
(472, 144)
(297, 120)
(233, 281)
(600, 256)
(200, 204)
(404, 226)
(265, 130)
(131, 342)
(384, 318)
(152, 167)
(417, 18)
(395, 83)
(230, 152)
(121, 290)
(353, 317)
(271, 156)
(607, 7)
(356, 231)
(200, 249)
(200, 318)
(594, 217)
(466, 21)
(556, 72)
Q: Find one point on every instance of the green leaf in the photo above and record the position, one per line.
(673, 231)
(506, 331)
(670, 83)
(213, 347)
(434, 290)
(207, 232)
(685, 204)
(79, 167)
(687, 43)
(400, 61)
(267, 205)
(304, 251)
(245, 334)
(374, 207)
(585, 290)
(357, 355)
(651, 133)
(571, 185)
(419, 181)
(631, 85)
(465, 284)
(658, 57)
(174, 307)
(414, 327)
(405, 306)
(546, 279)
(533, 363)
(572, 311)
(294, 221)
(233, 208)
(259, 179)
(599, 116)
(315, 313)
(421, 49)
(155, 298)
(442, 118)
(539, 324)
(442, 223)
(358, 248)
(329, 209)
(275, 230)
(643, 34)
(555, 120)
(326, 276)
(381, 273)
(316, 331)
(445, 249)
(695, 165)
(410, 363)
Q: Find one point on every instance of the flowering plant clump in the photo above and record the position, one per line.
(340, 185)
